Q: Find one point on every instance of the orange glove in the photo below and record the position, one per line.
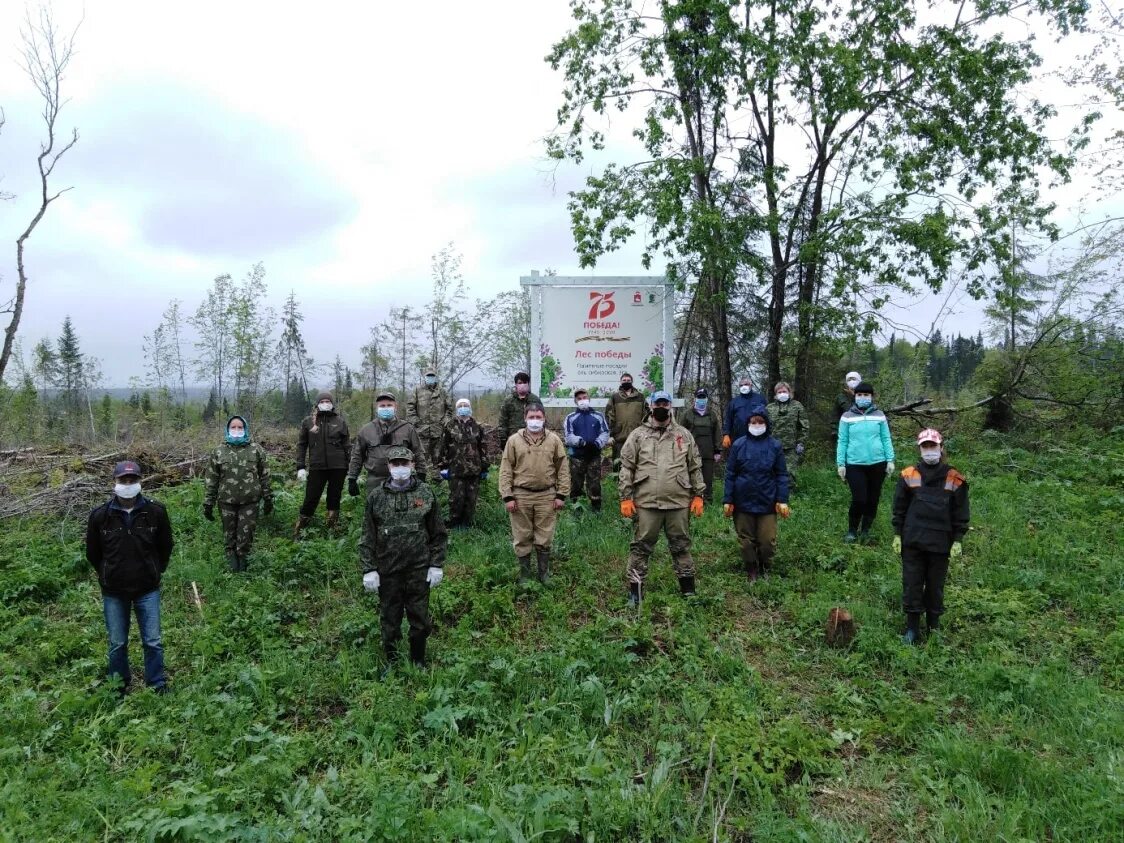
(628, 509)
(783, 511)
(697, 506)
(728, 510)
(725, 442)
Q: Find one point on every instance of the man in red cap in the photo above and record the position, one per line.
(930, 519)
(129, 542)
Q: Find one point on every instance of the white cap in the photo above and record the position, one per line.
(853, 376)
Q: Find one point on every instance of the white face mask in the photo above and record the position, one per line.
(324, 406)
(744, 389)
(535, 425)
(583, 404)
(127, 490)
(756, 429)
(931, 457)
(783, 396)
(851, 382)
(400, 472)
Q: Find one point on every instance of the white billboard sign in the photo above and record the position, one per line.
(586, 332)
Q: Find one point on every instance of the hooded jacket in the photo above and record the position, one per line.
(428, 408)
(625, 412)
(931, 507)
(462, 448)
(661, 467)
(324, 437)
(237, 473)
(864, 438)
(756, 473)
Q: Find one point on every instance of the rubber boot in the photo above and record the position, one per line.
(302, 522)
(524, 569)
(633, 594)
(932, 621)
(232, 562)
(392, 656)
(243, 562)
(687, 586)
(864, 537)
(417, 652)
(753, 571)
(332, 519)
(595, 504)
(544, 566)
(912, 628)
(850, 537)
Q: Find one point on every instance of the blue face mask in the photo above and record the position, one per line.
(430, 380)
(700, 403)
(863, 401)
(464, 412)
(385, 413)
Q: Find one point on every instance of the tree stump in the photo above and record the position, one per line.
(840, 629)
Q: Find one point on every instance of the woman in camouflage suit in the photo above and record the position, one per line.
(462, 461)
(237, 478)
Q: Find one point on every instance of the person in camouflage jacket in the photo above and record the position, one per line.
(402, 553)
(427, 409)
(462, 463)
(237, 479)
(702, 421)
(375, 437)
(514, 408)
(789, 421)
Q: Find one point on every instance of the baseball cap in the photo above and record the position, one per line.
(126, 467)
(386, 396)
(399, 452)
(661, 395)
(929, 434)
(702, 393)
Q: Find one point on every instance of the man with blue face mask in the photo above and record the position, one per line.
(864, 458)
(381, 433)
(129, 542)
(462, 460)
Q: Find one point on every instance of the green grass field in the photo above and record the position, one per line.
(560, 715)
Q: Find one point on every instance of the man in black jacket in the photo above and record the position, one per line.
(129, 542)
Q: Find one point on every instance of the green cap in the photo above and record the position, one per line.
(399, 452)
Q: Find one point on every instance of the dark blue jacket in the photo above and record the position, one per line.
(756, 474)
(586, 433)
(737, 413)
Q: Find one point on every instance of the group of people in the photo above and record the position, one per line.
(665, 469)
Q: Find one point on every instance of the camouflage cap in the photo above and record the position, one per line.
(386, 396)
(399, 452)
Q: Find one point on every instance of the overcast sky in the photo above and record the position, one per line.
(341, 148)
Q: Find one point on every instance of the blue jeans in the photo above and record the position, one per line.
(147, 608)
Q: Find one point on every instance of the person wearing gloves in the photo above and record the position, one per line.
(237, 479)
(322, 455)
(756, 492)
(625, 411)
(586, 433)
(737, 411)
(661, 481)
(427, 409)
(846, 397)
(514, 408)
(534, 483)
(129, 542)
(382, 432)
(864, 458)
(701, 420)
(462, 462)
(402, 552)
(789, 423)
(930, 519)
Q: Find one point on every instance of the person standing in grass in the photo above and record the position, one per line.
(789, 423)
(129, 542)
(375, 437)
(661, 482)
(237, 479)
(864, 458)
(756, 492)
(586, 433)
(534, 483)
(462, 461)
(427, 409)
(625, 411)
(930, 519)
(514, 408)
(701, 420)
(737, 411)
(403, 553)
(323, 446)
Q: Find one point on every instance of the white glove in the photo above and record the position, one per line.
(841, 470)
(434, 576)
(302, 475)
(371, 581)
(889, 468)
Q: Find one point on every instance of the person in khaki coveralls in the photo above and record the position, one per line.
(534, 483)
(660, 480)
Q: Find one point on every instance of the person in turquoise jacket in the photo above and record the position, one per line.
(864, 458)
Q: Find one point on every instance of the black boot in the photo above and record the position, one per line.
(417, 652)
(243, 562)
(544, 566)
(524, 569)
(753, 571)
(633, 594)
(392, 656)
(232, 562)
(912, 628)
(932, 620)
(687, 586)
(595, 504)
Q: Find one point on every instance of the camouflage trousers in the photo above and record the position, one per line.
(239, 521)
(431, 445)
(647, 526)
(585, 472)
(406, 592)
(792, 460)
(533, 522)
(463, 492)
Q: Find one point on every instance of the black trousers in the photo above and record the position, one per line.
(404, 593)
(866, 490)
(923, 576)
(318, 478)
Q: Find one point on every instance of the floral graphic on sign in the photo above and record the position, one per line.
(652, 373)
(550, 370)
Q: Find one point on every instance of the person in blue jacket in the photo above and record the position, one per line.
(756, 492)
(737, 411)
(864, 458)
(586, 434)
